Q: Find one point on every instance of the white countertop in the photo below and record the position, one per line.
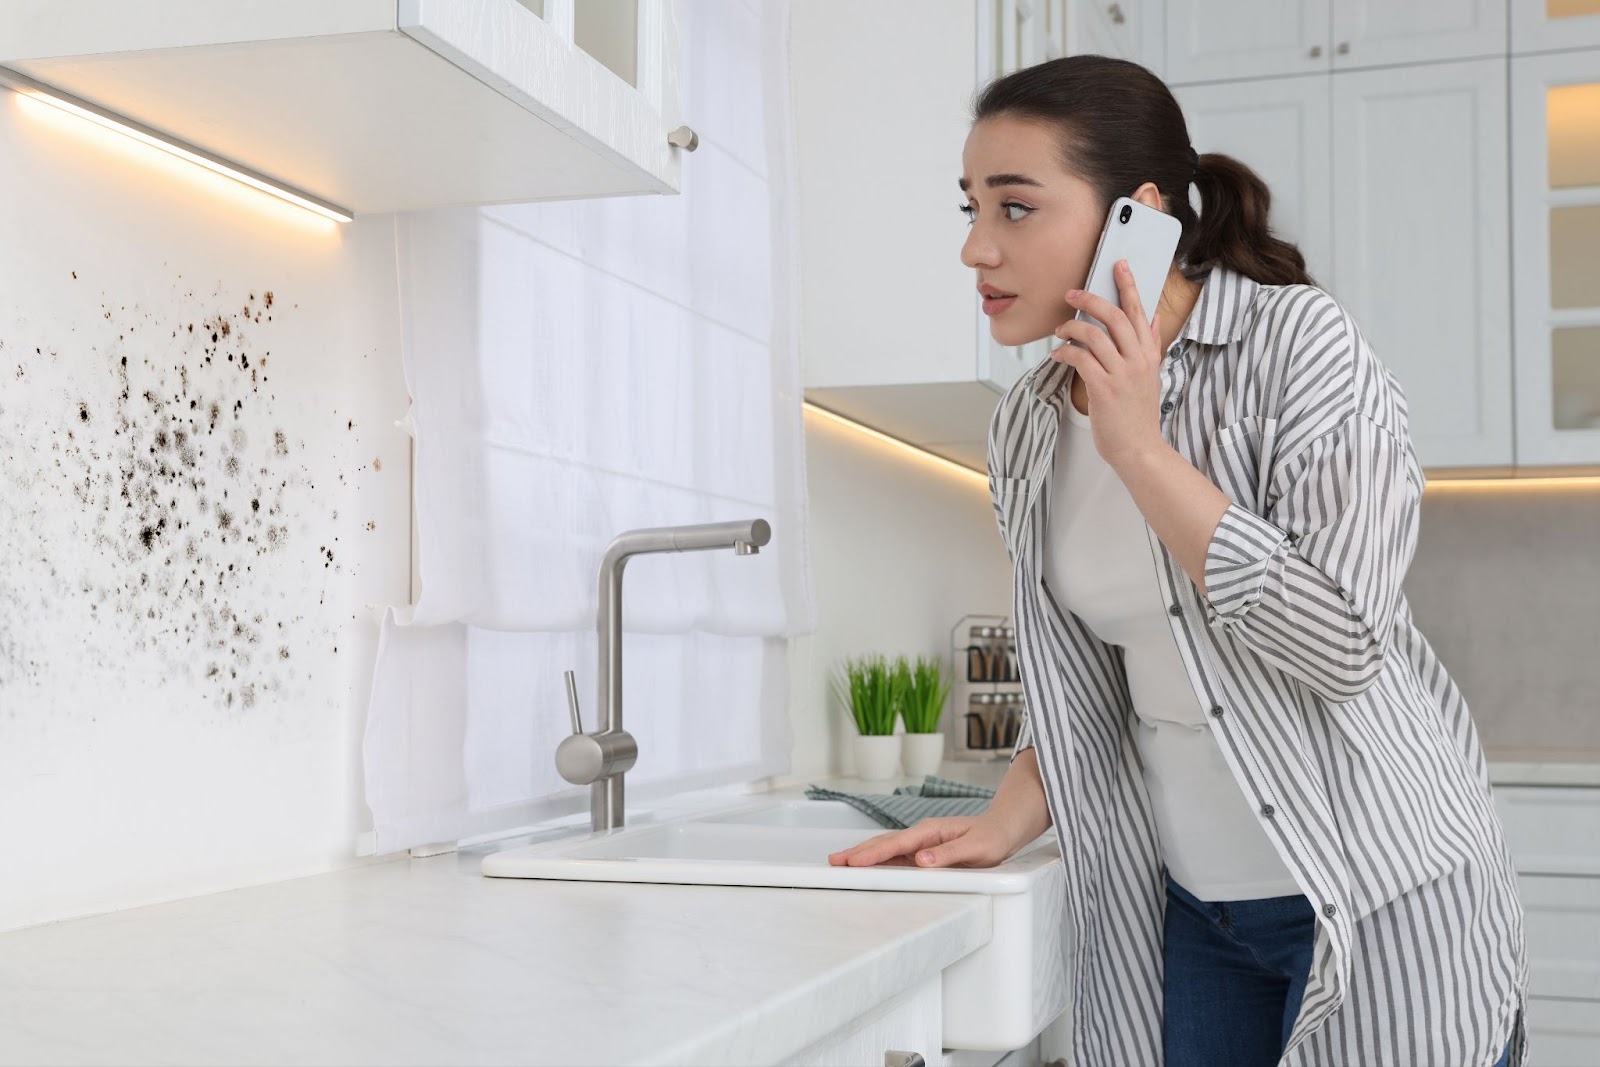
(427, 961)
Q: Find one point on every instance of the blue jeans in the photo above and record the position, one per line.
(1234, 973)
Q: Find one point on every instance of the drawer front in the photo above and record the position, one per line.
(1551, 829)
(1562, 924)
(910, 1022)
(1563, 1033)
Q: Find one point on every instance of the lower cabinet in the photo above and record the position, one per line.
(909, 1023)
(1551, 831)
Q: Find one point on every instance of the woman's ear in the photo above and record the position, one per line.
(1148, 195)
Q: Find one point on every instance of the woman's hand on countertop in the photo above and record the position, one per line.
(951, 841)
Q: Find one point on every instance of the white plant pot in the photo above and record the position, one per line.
(877, 756)
(922, 753)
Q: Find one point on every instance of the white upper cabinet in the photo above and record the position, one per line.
(1555, 180)
(892, 331)
(382, 105)
(1554, 25)
(1423, 262)
(1280, 129)
(1378, 33)
(1126, 29)
(1220, 40)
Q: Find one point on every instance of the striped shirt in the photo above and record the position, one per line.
(1339, 723)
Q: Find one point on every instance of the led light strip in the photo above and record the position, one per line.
(948, 465)
(33, 90)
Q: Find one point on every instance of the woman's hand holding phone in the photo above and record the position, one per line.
(951, 841)
(1121, 369)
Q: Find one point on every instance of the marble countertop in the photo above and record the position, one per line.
(426, 961)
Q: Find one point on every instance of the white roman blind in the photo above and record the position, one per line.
(578, 369)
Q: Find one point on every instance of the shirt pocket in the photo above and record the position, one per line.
(1010, 497)
(1240, 455)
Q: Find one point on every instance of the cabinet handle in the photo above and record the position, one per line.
(1344, 48)
(1316, 51)
(1115, 11)
(891, 1058)
(685, 138)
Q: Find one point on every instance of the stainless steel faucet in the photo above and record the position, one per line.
(601, 758)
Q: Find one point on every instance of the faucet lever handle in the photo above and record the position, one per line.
(572, 703)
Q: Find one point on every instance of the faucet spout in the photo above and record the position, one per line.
(744, 537)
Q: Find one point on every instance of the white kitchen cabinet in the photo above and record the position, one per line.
(1280, 129)
(892, 331)
(1218, 40)
(908, 1023)
(1555, 182)
(1222, 40)
(382, 105)
(1551, 831)
(1421, 246)
(1126, 29)
(1554, 25)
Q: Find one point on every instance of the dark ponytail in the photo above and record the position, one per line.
(1119, 126)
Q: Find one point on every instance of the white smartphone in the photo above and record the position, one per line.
(1147, 239)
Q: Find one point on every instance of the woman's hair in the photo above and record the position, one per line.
(1118, 126)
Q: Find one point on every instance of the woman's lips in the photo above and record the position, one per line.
(994, 305)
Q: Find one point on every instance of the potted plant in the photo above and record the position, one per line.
(924, 688)
(871, 689)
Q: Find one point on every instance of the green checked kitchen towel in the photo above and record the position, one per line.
(909, 803)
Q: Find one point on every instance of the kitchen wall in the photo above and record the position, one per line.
(201, 490)
(1505, 585)
(901, 547)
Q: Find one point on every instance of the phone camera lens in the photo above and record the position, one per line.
(1127, 213)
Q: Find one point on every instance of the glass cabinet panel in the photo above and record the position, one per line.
(1570, 9)
(1575, 256)
(1575, 377)
(1573, 126)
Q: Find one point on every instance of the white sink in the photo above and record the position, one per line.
(997, 998)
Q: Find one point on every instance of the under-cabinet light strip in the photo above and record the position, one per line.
(880, 437)
(35, 90)
(1442, 484)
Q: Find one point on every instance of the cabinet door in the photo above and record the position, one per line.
(1221, 40)
(911, 1022)
(1555, 182)
(1421, 246)
(1378, 33)
(1552, 25)
(1278, 128)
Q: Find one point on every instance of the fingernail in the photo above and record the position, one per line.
(924, 857)
(1073, 294)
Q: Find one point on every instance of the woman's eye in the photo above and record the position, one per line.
(1007, 206)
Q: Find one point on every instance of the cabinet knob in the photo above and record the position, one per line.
(1117, 17)
(1316, 51)
(684, 138)
(1344, 48)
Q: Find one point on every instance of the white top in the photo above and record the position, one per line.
(1099, 564)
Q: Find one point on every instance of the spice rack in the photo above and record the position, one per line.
(985, 710)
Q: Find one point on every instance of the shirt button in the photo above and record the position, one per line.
(1216, 709)
(1176, 609)
(1267, 810)
(1167, 406)
(1329, 910)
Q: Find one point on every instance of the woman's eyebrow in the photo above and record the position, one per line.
(994, 181)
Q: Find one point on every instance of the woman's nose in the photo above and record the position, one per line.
(977, 251)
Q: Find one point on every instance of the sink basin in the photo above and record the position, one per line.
(821, 813)
(997, 998)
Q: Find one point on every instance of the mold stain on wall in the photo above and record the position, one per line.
(161, 521)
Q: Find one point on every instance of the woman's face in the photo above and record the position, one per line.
(1034, 226)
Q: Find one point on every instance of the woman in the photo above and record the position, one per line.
(1271, 801)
